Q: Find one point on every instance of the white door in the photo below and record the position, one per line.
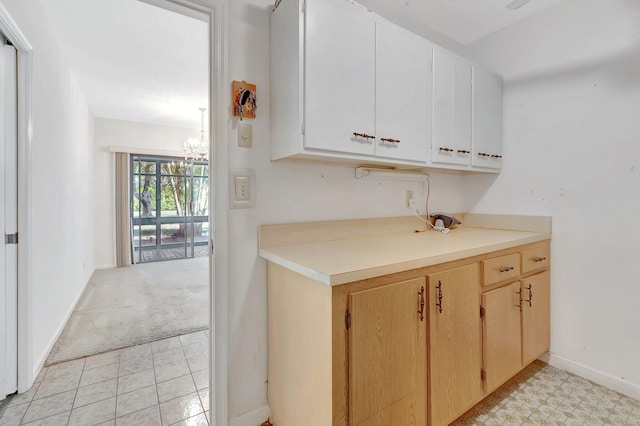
(339, 77)
(451, 109)
(9, 222)
(403, 94)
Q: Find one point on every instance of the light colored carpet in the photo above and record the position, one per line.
(129, 306)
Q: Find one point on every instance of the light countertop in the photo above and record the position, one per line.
(360, 257)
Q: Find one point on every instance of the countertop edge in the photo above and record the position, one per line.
(296, 267)
(378, 271)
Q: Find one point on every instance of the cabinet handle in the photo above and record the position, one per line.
(446, 149)
(519, 305)
(363, 135)
(496, 156)
(421, 303)
(439, 295)
(539, 259)
(507, 269)
(463, 151)
(390, 140)
(483, 154)
(530, 295)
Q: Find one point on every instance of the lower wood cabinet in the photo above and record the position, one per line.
(455, 360)
(536, 324)
(515, 327)
(414, 348)
(502, 336)
(388, 355)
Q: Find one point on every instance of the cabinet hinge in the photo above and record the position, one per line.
(347, 319)
(304, 6)
(481, 311)
(11, 238)
(302, 129)
(483, 374)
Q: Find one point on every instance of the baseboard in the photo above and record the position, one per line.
(109, 266)
(43, 357)
(617, 384)
(253, 418)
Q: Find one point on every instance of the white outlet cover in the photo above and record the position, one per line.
(249, 174)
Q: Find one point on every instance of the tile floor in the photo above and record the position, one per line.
(160, 383)
(543, 395)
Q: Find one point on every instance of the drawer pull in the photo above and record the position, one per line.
(363, 135)
(496, 156)
(463, 151)
(439, 295)
(507, 269)
(446, 149)
(530, 295)
(484, 154)
(390, 140)
(421, 303)
(539, 259)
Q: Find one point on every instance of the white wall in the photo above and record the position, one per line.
(62, 178)
(571, 127)
(287, 192)
(141, 138)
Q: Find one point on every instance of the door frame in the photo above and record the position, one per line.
(216, 12)
(26, 375)
(218, 190)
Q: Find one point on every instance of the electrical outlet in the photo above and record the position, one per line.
(243, 188)
(411, 203)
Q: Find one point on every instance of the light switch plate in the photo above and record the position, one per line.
(245, 135)
(242, 188)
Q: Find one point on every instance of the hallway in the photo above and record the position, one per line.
(165, 382)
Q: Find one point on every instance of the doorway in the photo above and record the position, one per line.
(169, 208)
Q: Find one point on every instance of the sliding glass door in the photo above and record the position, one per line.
(169, 208)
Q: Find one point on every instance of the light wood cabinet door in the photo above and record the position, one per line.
(454, 343)
(451, 109)
(339, 77)
(403, 94)
(387, 355)
(535, 316)
(502, 338)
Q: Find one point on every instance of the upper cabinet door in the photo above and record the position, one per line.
(487, 119)
(403, 94)
(339, 77)
(452, 109)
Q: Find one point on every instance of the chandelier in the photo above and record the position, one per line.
(194, 148)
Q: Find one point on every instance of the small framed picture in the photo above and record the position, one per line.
(243, 98)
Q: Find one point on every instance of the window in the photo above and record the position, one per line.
(169, 208)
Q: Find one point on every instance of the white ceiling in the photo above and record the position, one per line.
(138, 62)
(134, 61)
(463, 21)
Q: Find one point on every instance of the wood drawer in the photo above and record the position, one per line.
(536, 258)
(501, 268)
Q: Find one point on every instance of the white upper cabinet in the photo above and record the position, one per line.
(403, 94)
(339, 78)
(451, 109)
(487, 119)
(349, 86)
